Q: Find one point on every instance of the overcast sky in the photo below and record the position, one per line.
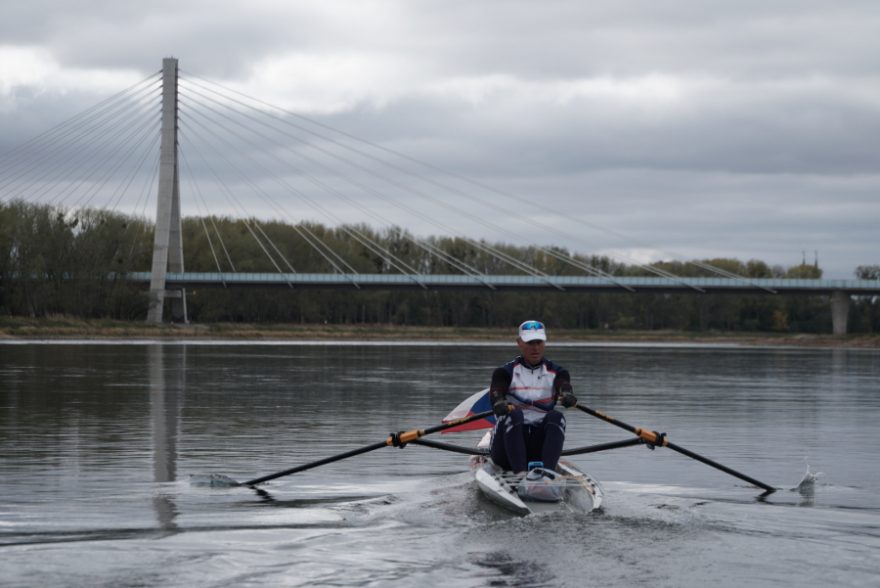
(738, 129)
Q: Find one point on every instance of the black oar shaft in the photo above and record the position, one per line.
(575, 451)
(654, 439)
(314, 464)
(721, 467)
(603, 447)
(397, 439)
(450, 447)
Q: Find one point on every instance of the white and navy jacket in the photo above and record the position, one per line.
(533, 389)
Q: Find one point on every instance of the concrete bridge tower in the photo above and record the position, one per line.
(167, 243)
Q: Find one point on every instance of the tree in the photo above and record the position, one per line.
(868, 272)
(58, 261)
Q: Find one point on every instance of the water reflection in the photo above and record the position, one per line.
(166, 400)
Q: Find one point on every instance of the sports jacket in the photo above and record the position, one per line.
(533, 389)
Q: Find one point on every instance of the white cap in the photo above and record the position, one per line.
(531, 330)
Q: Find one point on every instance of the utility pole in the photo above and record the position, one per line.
(167, 243)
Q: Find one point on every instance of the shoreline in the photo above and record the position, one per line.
(66, 328)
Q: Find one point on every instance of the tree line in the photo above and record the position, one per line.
(56, 261)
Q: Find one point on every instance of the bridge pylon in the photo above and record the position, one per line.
(167, 242)
(839, 312)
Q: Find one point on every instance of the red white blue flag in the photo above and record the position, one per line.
(474, 404)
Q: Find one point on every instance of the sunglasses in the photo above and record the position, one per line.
(532, 326)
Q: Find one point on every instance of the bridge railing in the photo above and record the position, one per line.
(565, 283)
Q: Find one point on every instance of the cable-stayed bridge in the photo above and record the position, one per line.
(256, 160)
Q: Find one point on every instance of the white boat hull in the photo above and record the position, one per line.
(579, 492)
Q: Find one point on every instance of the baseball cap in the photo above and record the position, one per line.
(531, 330)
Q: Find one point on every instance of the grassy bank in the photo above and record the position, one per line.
(62, 327)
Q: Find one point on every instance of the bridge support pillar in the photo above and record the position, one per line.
(839, 312)
(167, 242)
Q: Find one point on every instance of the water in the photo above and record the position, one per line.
(105, 450)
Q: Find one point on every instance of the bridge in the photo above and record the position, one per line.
(839, 290)
(223, 114)
(516, 282)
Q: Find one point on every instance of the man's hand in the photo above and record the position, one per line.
(566, 395)
(500, 408)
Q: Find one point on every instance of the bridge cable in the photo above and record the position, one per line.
(481, 246)
(144, 195)
(371, 244)
(92, 162)
(147, 131)
(72, 164)
(201, 197)
(311, 236)
(247, 222)
(196, 190)
(73, 135)
(59, 131)
(486, 248)
(649, 268)
(423, 245)
(580, 265)
(152, 147)
(231, 197)
(359, 236)
(304, 232)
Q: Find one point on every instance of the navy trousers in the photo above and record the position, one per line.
(516, 443)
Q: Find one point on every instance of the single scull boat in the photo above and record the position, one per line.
(564, 489)
(570, 489)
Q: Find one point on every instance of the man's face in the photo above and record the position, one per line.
(533, 351)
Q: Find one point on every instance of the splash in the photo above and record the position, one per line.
(807, 485)
(212, 481)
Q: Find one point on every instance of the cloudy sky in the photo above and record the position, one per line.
(644, 129)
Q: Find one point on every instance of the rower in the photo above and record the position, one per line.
(529, 431)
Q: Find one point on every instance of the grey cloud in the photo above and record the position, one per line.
(771, 149)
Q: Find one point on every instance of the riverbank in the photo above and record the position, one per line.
(18, 328)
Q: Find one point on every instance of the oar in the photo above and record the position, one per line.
(396, 439)
(450, 447)
(603, 447)
(654, 438)
(576, 451)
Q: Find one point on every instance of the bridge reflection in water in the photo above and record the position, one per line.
(166, 403)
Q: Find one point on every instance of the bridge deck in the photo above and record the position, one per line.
(512, 282)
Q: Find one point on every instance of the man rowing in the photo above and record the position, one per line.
(529, 431)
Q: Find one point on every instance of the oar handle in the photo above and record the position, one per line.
(397, 439)
(653, 438)
(402, 438)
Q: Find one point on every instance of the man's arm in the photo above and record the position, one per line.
(563, 390)
(501, 379)
(562, 382)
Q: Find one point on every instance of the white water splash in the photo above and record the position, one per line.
(807, 485)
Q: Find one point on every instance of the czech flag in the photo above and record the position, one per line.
(474, 404)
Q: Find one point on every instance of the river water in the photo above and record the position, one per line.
(106, 451)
